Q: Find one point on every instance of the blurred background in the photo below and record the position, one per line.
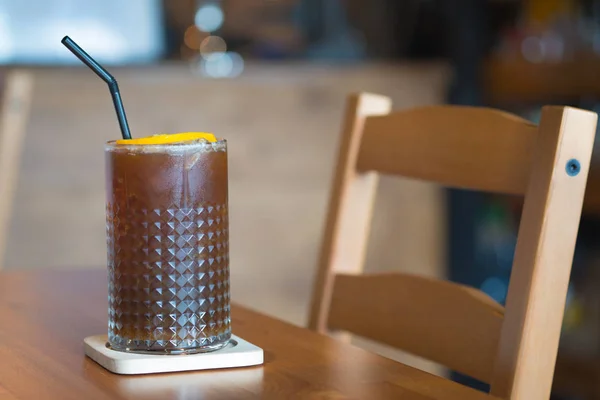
(272, 76)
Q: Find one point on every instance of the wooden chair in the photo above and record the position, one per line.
(17, 95)
(513, 349)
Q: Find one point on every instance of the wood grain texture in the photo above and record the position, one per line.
(544, 254)
(46, 315)
(5, 395)
(465, 147)
(16, 102)
(350, 207)
(438, 320)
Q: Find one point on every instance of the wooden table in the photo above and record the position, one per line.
(44, 317)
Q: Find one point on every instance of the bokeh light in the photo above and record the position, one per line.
(218, 67)
(238, 64)
(212, 46)
(209, 17)
(193, 37)
(222, 65)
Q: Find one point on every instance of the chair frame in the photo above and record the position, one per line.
(14, 113)
(514, 349)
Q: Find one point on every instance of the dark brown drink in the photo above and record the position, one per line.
(168, 247)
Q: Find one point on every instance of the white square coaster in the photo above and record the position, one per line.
(238, 353)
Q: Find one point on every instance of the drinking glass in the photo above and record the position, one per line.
(168, 247)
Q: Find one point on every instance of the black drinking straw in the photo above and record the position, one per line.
(106, 77)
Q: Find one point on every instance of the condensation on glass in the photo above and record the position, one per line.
(168, 247)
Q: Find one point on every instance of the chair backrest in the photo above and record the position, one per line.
(513, 349)
(14, 111)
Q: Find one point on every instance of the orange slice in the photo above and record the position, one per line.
(170, 138)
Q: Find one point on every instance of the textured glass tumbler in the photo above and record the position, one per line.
(168, 247)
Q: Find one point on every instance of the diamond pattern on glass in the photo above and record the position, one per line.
(168, 277)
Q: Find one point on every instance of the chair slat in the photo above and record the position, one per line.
(454, 325)
(465, 147)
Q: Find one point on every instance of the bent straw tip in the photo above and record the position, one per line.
(105, 76)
